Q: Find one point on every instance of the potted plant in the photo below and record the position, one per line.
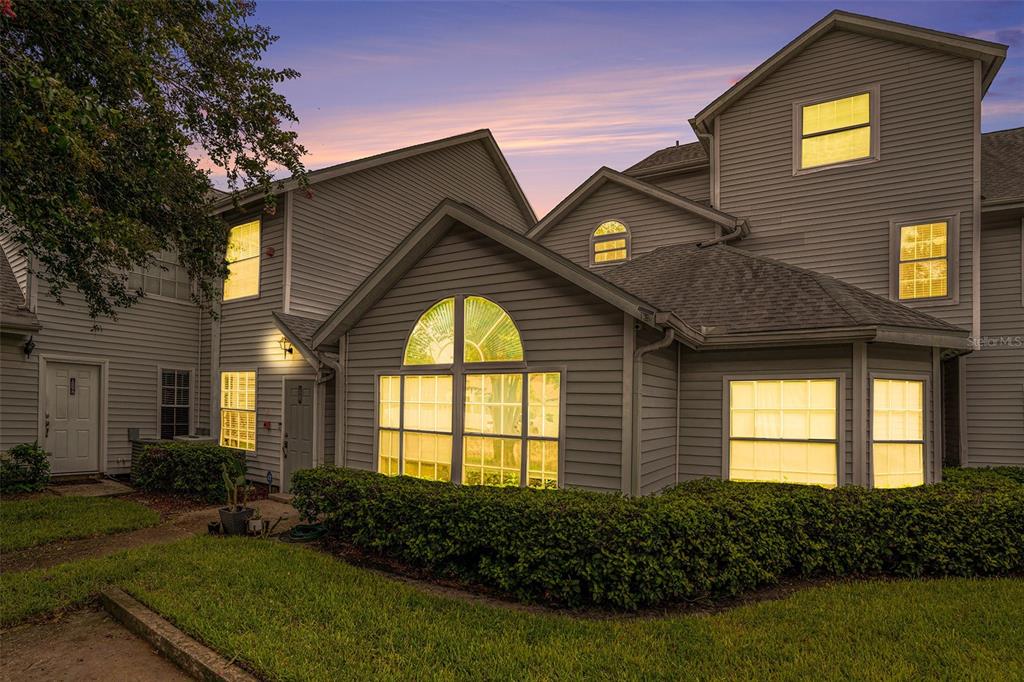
(234, 518)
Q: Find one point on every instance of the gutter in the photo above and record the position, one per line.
(638, 384)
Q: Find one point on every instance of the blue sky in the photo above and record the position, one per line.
(565, 87)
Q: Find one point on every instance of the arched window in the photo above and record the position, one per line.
(511, 426)
(609, 243)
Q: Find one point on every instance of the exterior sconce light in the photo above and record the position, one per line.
(30, 345)
(286, 347)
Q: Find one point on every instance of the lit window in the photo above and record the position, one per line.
(835, 131)
(610, 243)
(414, 416)
(897, 433)
(238, 410)
(165, 278)
(491, 336)
(175, 403)
(432, 341)
(783, 431)
(924, 260)
(243, 256)
(507, 438)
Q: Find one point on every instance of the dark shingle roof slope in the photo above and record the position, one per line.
(678, 153)
(725, 290)
(1002, 164)
(13, 313)
(301, 328)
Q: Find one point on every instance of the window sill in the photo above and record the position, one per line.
(947, 301)
(240, 299)
(835, 166)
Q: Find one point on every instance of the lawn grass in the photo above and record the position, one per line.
(291, 613)
(36, 521)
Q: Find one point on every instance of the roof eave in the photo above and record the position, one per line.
(308, 354)
(421, 239)
(529, 216)
(818, 337)
(667, 169)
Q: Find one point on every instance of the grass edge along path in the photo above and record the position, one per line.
(41, 520)
(291, 613)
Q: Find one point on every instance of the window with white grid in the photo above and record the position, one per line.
(238, 410)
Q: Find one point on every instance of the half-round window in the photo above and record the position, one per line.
(491, 335)
(432, 341)
(609, 243)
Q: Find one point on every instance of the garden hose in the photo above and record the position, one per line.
(304, 533)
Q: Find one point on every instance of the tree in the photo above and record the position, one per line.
(102, 103)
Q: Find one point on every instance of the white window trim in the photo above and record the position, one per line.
(927, 418)
(839, 377)
(259, 255)
(256, 434)
(952, 219)
(874, 120)
(192, 396)
(595, 240)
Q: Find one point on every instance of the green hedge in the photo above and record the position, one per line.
(700, 540)
(192, 469)
(25, 468)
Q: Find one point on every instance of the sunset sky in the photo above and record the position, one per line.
(565, 87)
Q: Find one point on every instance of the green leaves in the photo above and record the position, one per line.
(107, 106)
(701, 541)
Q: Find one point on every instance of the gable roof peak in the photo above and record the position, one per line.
(992, 55)
(605, 175)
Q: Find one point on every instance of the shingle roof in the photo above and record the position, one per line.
(13, 312)
(301, 328)
(726, 290)
(676, 154)
(1002, 164)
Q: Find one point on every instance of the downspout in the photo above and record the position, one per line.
(739, 230)
(638, 385)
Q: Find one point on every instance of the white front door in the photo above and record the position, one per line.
(297, 448)
(72, 417)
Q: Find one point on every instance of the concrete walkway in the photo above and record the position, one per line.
(179, 527)
(85, 645)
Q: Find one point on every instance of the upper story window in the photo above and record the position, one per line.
(924, 265)
(243, 256)
(609, 243)
(837, 131)
(164, 278)
(924, 259)
(464, 357)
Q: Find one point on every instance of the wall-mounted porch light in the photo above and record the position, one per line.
(286, 347)
(30, 345)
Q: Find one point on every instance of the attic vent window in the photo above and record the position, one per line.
(837, 131)
(609, 243)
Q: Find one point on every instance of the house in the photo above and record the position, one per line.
(825, 289)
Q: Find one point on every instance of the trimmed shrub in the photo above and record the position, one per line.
(984, 478)
(25, 468)
(698, 541)
(191, 469)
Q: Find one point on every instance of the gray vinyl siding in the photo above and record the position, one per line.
(837, 220)
(19, 393)
(202, 382)
(911, 360)
(694, 185)
(561, 326)
(658, 418)
(18, 261)
(651, 222)
(154, 333)
(352, 222)
(702, 399)
(249, 341)
(995, 372)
